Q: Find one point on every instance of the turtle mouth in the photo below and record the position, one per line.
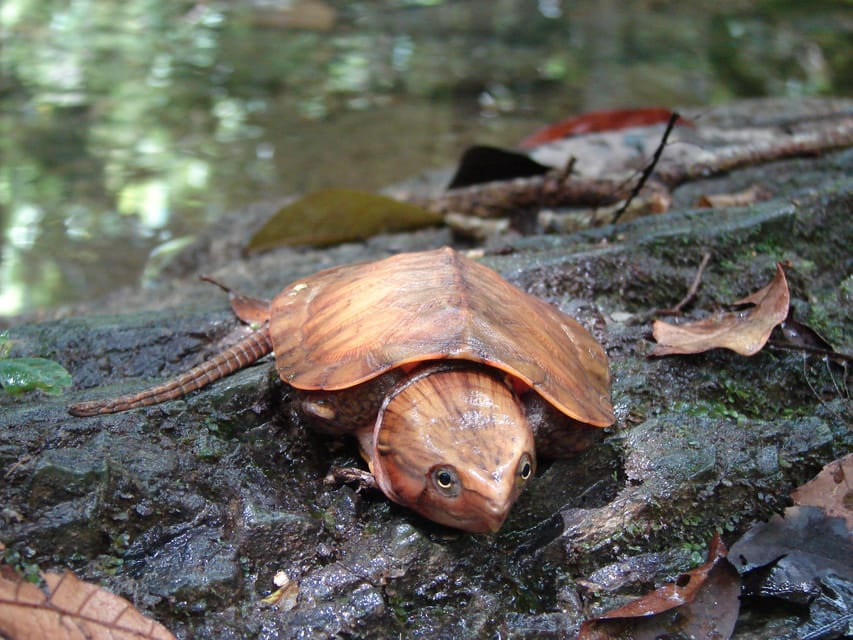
(494, 515)
(483, 523)
(485, 518)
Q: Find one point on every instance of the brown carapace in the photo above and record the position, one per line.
(450, 378)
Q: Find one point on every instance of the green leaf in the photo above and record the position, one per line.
(332, 216)
(25, 374)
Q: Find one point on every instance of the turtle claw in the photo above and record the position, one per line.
(344, 475)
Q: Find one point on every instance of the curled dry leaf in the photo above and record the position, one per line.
(831, 489)
(703, 604)
(72, 610)
(744, 332)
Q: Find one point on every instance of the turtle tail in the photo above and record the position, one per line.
(253, 347)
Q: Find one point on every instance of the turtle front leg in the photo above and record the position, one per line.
(363, 479)
(344, 475)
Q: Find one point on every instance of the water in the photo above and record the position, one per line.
(126, 126)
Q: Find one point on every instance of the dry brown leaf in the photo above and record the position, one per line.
(831, 489)
(754, 194)
(703, 604)
(72, 610)
(744, 332)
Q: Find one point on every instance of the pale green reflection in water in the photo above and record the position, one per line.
(130, 126)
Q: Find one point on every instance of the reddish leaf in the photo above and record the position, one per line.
(703, 604)
(73, 610)
(611, 120)
(743, 332)
(831, 489)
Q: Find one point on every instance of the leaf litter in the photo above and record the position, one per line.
(832, 490)
(701, 603)
(743, 331)
(70, 610)
(804, 560)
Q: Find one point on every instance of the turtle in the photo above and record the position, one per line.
(450, 378)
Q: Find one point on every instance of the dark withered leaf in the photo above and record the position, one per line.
(481, 164)
(799, 334)
(332, 216)
(702, 603)
(802, 560)
(806, 542)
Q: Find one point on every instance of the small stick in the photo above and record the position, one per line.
(647, 172)
(825, 353)
(691, 292)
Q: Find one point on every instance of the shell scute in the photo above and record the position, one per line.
(349, 324)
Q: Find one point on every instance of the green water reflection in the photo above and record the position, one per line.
(128, 125)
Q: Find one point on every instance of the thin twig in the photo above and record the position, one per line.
(826, 353)
(555, 189)
(647, 172)
(691, 292)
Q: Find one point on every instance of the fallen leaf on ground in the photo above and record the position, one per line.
(18, 375)
(744, 332)
(810, 541)
(72, 610)
(831, 490)
(755, 193)
(481, 164)
(803, 559)
(607, 120)
(331, 216)
(702, 604)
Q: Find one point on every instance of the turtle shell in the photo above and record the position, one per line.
(346, 325)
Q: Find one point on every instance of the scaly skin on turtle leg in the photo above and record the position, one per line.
(345, 475)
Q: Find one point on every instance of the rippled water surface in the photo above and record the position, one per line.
(129, 125)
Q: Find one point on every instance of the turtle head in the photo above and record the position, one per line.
(452, 443)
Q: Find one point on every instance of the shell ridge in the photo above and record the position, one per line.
(350, 324)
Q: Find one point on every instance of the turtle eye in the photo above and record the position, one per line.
(525, 467)
(446, 480)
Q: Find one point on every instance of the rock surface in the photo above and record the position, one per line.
(190, 508)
